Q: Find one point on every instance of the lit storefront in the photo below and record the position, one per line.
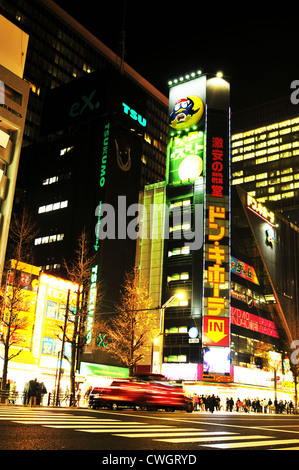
(40, 341)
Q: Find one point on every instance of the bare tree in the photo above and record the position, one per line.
(16, 301)
(79, 272)
(129, 329)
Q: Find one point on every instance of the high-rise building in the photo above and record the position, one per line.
(61, 50)
(14, 92)
(231, 256)
(265, 149)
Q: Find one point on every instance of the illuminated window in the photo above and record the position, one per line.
(262, 176)
(249, 155)
(237, 173)
(238, 181)
(273, 157)
(237, 159)
(287, 195)
(271, 135)
(53, 207)
(249, 178)
(261, 160)
(184, 250)
(286, 171)
(65, 150)
(259, 153)
(181, 203)
(284, 179)
(262, 184)
(275, 197)
(185, 226)
(49, 239)
(52, 180)
(237, 144)
(274, 149)
(286, 155)
(285, 131)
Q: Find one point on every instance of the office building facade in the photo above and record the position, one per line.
(230, 335)
(61, 50)
(265, 149)
(14, 93)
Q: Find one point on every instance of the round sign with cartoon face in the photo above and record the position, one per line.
(186, 112)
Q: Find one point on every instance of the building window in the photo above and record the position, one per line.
(52, 207)
(49, 239)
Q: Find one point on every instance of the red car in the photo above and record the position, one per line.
(137, 394)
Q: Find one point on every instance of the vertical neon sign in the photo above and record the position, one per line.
(94, 270)
(216, 311)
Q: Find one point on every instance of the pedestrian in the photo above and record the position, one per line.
(230, 404)
(33, 387)
(43, 391)
(78, 397)
(239, 404)
(12, 393)
(290, 408)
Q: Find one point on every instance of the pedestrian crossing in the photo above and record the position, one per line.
(168, 434)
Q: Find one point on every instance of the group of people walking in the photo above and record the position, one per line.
(264, 406)
(34, 392)
(213, 403)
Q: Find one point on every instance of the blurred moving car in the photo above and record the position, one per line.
(150, 395)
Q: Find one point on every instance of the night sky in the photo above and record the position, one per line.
(256, 49)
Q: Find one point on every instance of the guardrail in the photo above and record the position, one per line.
(49, 399)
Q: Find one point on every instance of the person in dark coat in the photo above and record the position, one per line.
(33, 389)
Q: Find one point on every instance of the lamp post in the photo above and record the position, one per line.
(157, 343)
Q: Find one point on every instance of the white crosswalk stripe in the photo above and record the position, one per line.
(137, 429)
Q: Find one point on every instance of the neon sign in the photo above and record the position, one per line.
(134, 115)
(260, 210)
(253, 322)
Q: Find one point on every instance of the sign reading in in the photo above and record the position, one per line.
(216, 331)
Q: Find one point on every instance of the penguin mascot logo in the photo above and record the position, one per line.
(186, 112)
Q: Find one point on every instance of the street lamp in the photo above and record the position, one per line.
(157, 354)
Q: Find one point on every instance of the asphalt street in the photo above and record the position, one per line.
(128, 431)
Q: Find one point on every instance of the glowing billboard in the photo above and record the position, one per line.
(185, 151)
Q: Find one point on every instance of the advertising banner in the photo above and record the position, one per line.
(185, 152)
